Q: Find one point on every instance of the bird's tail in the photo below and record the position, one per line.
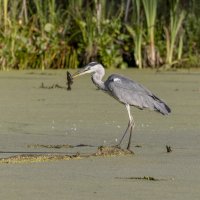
(161, 107)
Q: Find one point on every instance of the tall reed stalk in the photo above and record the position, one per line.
(176, 20)
(5, 13)
(57, 34)
(136, 33)
(150, 8)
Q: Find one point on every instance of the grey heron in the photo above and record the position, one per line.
(126, 91)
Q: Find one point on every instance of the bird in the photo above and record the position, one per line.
(126, 91)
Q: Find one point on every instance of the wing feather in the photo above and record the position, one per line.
(130, 92)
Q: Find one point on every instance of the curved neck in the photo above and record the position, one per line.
(97, 80)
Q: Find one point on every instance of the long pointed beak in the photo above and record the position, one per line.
(79, 73)
(76, 74)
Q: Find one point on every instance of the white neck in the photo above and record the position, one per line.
(97, 78)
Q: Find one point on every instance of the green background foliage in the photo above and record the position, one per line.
(118, 33)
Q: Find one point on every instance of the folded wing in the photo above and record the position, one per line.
(130, 92)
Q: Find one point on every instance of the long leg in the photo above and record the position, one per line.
(130, 124)
(129, 141)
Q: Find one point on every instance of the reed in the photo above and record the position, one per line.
(176, 21)
(150, 8)
(136, 32)
(69, 33)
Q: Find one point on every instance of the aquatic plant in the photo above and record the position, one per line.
(176, 20)
(136, 31)
(69, 33)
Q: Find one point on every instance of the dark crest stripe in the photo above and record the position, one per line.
(92, 64)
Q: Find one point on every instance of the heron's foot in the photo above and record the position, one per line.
(130, 151)
(127, 150)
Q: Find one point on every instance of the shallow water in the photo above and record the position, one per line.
(31, 115)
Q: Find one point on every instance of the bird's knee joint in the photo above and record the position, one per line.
(131, 122)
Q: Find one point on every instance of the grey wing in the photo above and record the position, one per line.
(130, 92)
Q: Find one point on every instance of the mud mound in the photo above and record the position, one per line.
(111, 151)
(104, 151)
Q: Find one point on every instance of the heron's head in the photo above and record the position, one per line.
(93, 67)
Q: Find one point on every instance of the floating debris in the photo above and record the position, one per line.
(169, 149)
(69, 81)
(53, 86)
(57, 146)
(32, 158)
(138, 146)
(83, 145)
(145, 178)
